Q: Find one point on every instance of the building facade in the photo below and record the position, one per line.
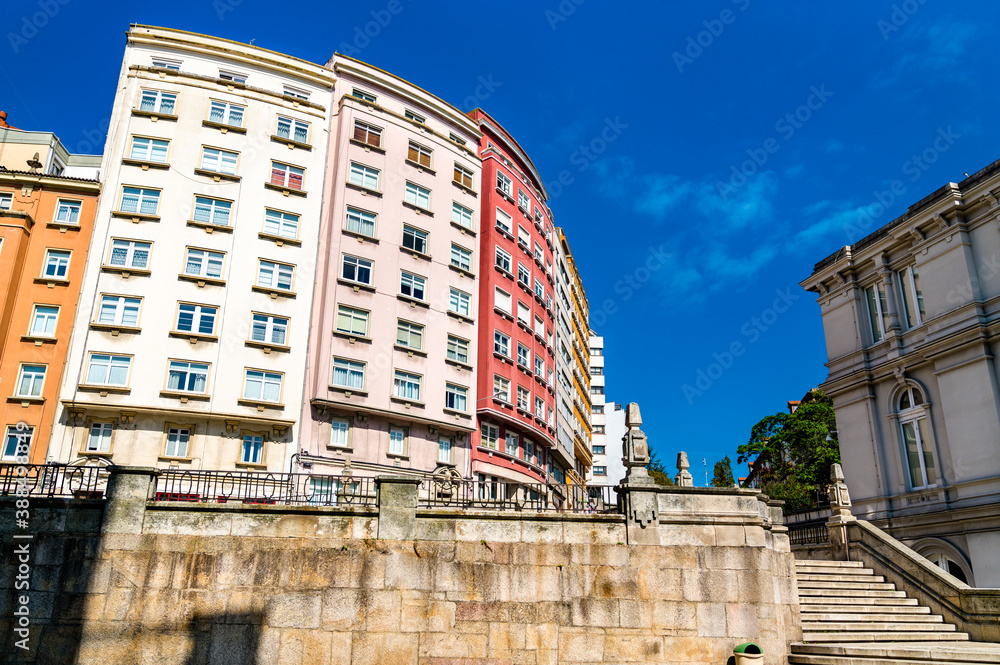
(48, 200)
(607, 423)
(911, 315)
(189, 346)
(515, 437)
(392, 369)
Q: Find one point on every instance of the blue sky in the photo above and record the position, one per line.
(645, 123)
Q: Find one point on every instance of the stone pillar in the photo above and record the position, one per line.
(638, 489)
(840, 506)
(397, 507)
(129, 488)
(683, 477)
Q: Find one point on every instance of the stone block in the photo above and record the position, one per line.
(633, 648)
(712, 620)
(525, 554)
(741, 621)
(674, 616)
(581, 646)
(160, 570)
(559, 613)
(595, 533)
(234, 643)
(548, 532)
(340, 649)
(171, 647)
(595, 612)
(755, 536)
(201, 605)
(432, 528)
(293, 610)
(534, 583)
(635, 613)
(541, 635)
(489, 530)
(618, 582)
(730, 535)
(161, 606)
(367, 567)
(699, 535)
(194, 523)
(599, 555)
(720, 586)
(483, 552)
(342, 610)
(441, 616)
(267, 568)
(491, 583)
(381, 609)
(405, 570)
(453, 645)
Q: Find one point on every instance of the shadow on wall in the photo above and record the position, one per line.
(225, 639)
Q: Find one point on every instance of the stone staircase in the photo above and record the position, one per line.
(850, 616)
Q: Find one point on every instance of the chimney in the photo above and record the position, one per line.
(3, 119)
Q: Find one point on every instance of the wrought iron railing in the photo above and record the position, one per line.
(262, 487)
(808, 534)
(498, 494)
(53, 480)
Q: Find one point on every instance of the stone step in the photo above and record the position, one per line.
(861, 600)
(878, 627)
(896, 610)
(829, 564)
(889, 636)
(812, 577)
(829, 570)
(913, 653)
(837, 586)
(843, 616)
(851, 593)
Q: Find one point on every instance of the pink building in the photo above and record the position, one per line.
(390, 384)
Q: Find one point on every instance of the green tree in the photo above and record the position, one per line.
(723, 476)
(792, 452)
(657, 471)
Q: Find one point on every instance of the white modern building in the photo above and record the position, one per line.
(607, 422)
(190, 339)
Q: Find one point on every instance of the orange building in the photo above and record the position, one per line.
(48, 199)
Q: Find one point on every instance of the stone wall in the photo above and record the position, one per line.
(221, 583)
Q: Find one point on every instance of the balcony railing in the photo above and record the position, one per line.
(261, 487)
(53, 480)
(502, 495)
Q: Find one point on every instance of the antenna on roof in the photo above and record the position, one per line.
(252, 41)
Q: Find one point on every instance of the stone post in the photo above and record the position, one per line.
(638, 490)
(129, 488)
(840, 506)
(397, 507)
(683, 477)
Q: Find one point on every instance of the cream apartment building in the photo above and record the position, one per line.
(911, 315)
(390, 385)
(190, 340)
(607, 422)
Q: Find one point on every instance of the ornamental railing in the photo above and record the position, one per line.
(808, 534)
(503, 495)
(53, 480)
(262, 487)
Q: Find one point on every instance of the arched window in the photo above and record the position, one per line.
(916, 439)
(949, 566)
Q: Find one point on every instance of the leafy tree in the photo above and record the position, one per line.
(657, 471)
(792, 452)
(723, 476)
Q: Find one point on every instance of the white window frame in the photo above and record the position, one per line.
(57, 261)
(114, 361)
(281, 224)
(253, 444)
(417, 196)
(397, 441)
(217, 160)
(292, 129)
(406, 384)
(122, 308)
(48, 319)
(177, 442)
(504, 183)
(354, 315)
(199, 314)
(415, 284)
(358, 263)
(489, 435)
(226, 113)
(357, 221)
(146, 201)
(523, 201)
(875, 294)
(279, 273)
(297, 93)
(523, 355)
(103, 432)
(501, 388)
(362, 95)
(461, 258)
(459, 302)
(288, 173)
(500, 298)
(415, 239)
(7, 199)
(68, 212)
(456, 397)
(365, 176)
(31, 380)
(338, 427)
(131, 248)
(209, 210)
(157, 100)
(188, 371)
(148, 149)
(445, 447)
(916, 417)
(461, 215)
(352, 369)
(504, 260)
(407, 332)
(456, 348)
(370, 131)
(910, 297)
(206, 258)
(236, 77)
(268, 327)
(263, 380)
(501, 343)
(504, 221)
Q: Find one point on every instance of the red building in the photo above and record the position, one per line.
(516, 384)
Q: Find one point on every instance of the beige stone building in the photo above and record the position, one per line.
(912, 317)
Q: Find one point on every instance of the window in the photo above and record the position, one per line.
(129, 254)
(232, 76)
(297, 93)
(596, 371)
(411, 285)
(597, 390)
(196, 318)
(177, 442)
(523, 314)
(352, 320)
(598, 408)
(461, 258)
(157, 101)
(463, 176)
(415, 239)
(357, 270)
(529, 450)
(268, 329)
(203, 263)
(99, 440)
(539, 289)
(419, 154)
(523, 398)
(504, 221)
(368, 134)
(523, 355)
(457, 139)
(142, 201)
(18, 441)
(262, 386)
(285, 175)
(410, 115)
(444, 449)
(458, 350)
(361, 94)
(600, 470)
(461, 215)
(220, 161)
(409, 335)
(406, 385)
(503, 183)
(212, 211)
(523, 275)
(597, 351)
(418, 196)
(539, 366)
(503, 260)
(225, 113)
(339, 431)
(523, 237)
(348, 374)
(187, 377)
(489, 435)
(539, 408)
(501, 344)
(360, 222)
(912, 297)
(281, 224)
(68, 212)
(56, 263)
(599, 450)
(510, 444)
(7, 199)
(458, 302)
(253, 449)
(104, 369)
(522, 200)
(30, 381)
(119, 311)
(501, 388)
(501, 300)
(539, 253)
(43, 321)
(456, 397)
(916, 439)
(273, 275)
(364, 176)
(167, 63)
(539, 326)
(149, 150)
(878, 313)
(397, 440)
